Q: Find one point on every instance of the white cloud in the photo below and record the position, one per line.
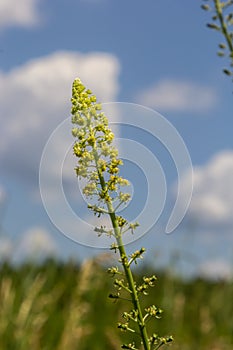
(178, 96)
(36, 98)
(216, 269)
(212, 201)
(36, 244)
(6, 248)
(23, 14)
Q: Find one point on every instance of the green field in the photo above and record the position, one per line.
(65, 306)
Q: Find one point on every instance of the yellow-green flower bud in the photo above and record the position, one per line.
(102, 165)
(123, 182)
(91, 140)
(77, 150)
(75, 132)
(93, 98)
(81, 171)
(89, 189)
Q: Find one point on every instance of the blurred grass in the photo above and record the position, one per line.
(65, 306)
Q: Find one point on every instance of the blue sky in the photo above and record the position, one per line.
(158, 54)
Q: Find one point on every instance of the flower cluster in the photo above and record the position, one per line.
(98, 160)
(98, 164)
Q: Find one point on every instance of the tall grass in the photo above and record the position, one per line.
(58, 306)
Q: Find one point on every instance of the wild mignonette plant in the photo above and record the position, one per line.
(222, 21)
(98, 164)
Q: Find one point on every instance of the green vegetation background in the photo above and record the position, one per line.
(62, 306)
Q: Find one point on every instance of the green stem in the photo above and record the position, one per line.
(223, 24)
(134, 294)
(125, 263)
